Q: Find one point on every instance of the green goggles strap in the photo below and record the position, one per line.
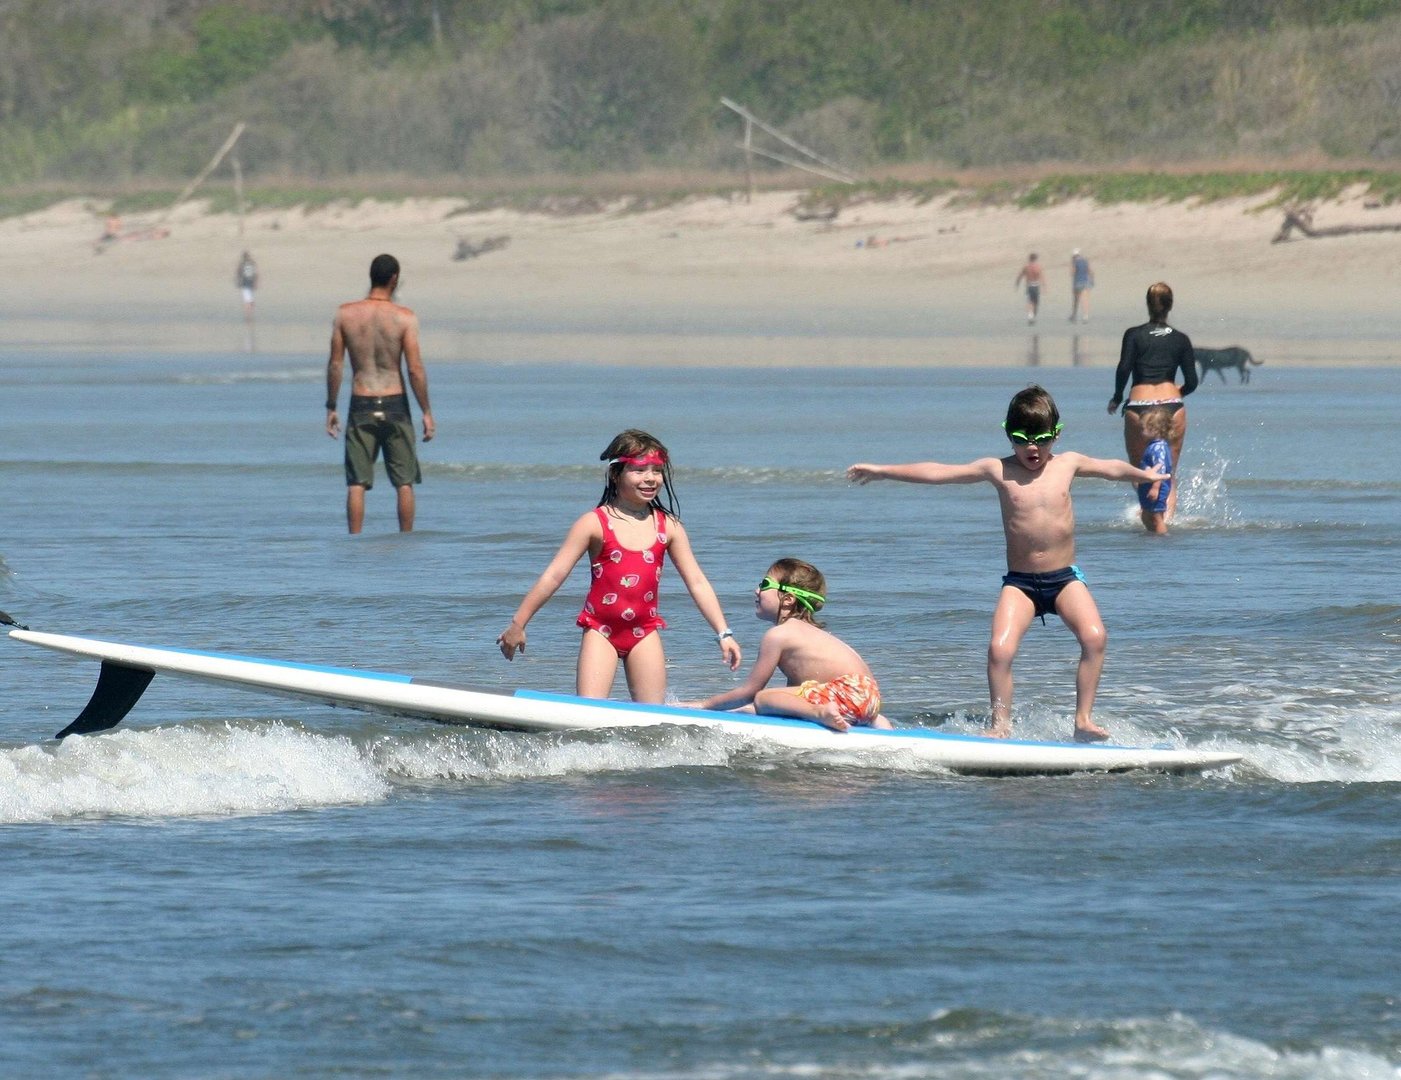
(804, 596)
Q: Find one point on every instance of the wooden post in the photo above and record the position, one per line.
(829, 169)
(749, 158)
(213, 164)
(238, 191)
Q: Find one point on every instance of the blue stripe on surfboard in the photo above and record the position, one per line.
(684, 715)
(323, 669)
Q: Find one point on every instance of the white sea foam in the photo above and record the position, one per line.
(184, 771)
(1358, 745)
(231, 378)
(196, 770)
(497, 756)
(971, 1046)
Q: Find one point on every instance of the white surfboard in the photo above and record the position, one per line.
(127, 669)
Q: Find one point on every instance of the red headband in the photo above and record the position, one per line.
(650, 458)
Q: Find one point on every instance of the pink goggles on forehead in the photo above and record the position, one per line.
(652, 458)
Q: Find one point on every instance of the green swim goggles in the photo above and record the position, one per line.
(805, 597)
(1021, 438)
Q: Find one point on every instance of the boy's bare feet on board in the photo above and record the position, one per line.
(831, 717)
(1090, 732)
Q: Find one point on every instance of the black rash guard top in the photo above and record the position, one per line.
(1152, 353)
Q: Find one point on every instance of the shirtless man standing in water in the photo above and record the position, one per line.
(379, 334)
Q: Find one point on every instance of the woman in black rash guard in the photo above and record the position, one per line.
(1148, 362)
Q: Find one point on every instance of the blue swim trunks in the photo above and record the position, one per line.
(1043, 589)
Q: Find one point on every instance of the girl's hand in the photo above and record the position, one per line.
(729, 648)
(1113, 406)
(512, 640)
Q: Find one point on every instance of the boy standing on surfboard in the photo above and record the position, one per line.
(1038, 520)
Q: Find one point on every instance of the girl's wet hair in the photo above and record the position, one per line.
(805, 576)
(1032, 410)
(1159, 301)
(633, 443)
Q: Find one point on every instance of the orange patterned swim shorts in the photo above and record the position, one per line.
(858, 696)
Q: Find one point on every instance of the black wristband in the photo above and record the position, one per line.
(331, 405)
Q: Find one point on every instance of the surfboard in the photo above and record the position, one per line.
(128, 669)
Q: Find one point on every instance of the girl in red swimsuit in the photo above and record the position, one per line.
(626, 537)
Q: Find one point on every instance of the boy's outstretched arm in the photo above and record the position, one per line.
(925, 472)
(1107, 469)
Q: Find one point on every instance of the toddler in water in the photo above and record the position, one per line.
(1153, 498)
(827, 680)
(626, 537)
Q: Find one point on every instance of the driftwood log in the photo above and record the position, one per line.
(466, 249)
(1300, 219)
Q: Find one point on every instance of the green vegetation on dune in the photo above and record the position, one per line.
(618, 196)
(1286, 186)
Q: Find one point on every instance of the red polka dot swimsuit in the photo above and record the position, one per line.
(622, 602)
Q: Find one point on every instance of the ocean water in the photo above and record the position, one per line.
(231, 885)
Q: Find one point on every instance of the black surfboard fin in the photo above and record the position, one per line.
(119, 688)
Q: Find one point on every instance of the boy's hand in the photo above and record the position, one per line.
(862, 474)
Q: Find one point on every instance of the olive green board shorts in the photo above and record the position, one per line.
(373, 431)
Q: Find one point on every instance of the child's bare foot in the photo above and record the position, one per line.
(882, 722)
(1090, 732)
(997, 731)
(831, 717)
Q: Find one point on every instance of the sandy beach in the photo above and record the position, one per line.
(713, 281)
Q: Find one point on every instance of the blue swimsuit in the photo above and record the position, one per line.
(1158, 455)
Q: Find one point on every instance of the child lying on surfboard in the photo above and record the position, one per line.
(827, 680)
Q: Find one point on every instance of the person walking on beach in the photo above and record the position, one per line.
(1082, 280)
(627, 538)
(1034, 277)
(1150, 357)
(246, 278)
(1038, 520)
(381, 337)
(828, 682)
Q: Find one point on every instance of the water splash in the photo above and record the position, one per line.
(1203, 496)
